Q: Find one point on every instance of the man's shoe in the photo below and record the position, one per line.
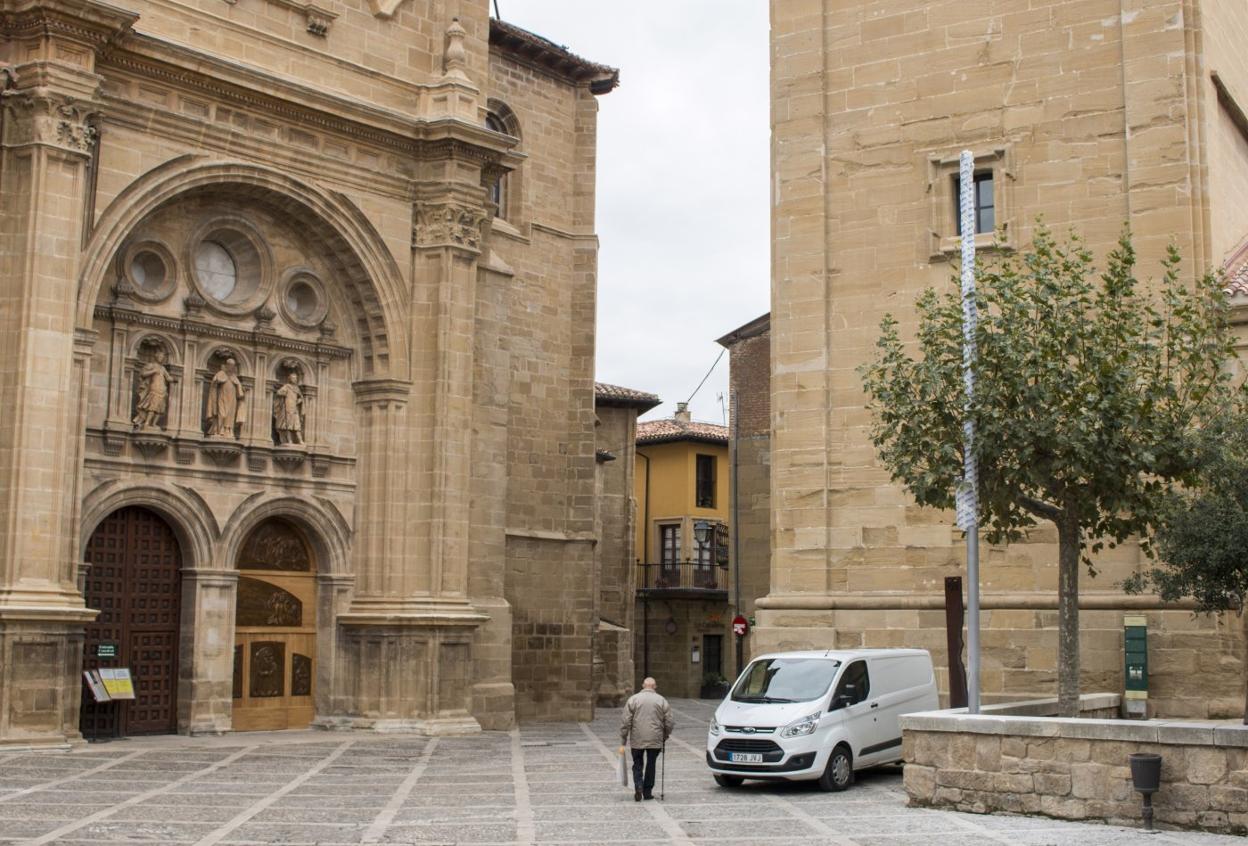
(636, 795)
(647, 796)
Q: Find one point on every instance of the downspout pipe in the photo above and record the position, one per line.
(645, 558)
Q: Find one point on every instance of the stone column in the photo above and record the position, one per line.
(206, 662)
(45, 144)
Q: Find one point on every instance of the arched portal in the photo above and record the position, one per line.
(134, 581)
(274, 629)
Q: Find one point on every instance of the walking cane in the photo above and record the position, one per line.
(663, 773)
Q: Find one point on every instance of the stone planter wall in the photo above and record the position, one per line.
(1077, 768)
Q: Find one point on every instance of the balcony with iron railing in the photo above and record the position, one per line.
(683, 579)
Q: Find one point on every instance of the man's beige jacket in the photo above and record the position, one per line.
(647, 721)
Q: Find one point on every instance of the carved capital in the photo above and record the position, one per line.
(448, 224)
(38, 117)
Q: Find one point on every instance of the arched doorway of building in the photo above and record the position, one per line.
(134, 581)
(275, 629)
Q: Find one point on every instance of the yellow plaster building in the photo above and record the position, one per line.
(683, 589)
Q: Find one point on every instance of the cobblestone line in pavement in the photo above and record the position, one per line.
(251, 811)
(57, 833)
(377, 829)
(57, 782)
(526, 829)
(673, 829)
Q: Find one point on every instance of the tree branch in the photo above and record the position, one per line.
(1041, 508)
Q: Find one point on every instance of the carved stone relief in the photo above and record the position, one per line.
(275, 545)
(448, 224)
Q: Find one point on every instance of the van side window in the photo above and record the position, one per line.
(854, 685)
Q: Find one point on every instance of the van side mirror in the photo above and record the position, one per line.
(845, 697)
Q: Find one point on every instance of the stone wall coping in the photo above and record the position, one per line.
(1137, 731)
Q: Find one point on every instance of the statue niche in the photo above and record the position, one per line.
(151, 393)
(225, 407)
(288, 407)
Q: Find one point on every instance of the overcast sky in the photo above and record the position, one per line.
(683, 174)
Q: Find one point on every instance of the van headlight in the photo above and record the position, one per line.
(799, 728)
(714, 727)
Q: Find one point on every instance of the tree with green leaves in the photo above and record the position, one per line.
(1087, 391)
(1202, 539)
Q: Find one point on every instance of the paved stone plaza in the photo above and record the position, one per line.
(550, 783)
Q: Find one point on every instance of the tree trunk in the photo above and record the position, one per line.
(1068, 617)
(1243, 615)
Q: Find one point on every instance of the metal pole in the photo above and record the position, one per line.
(968, 493)
(736, 524)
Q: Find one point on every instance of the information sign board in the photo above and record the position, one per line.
(96, 686)
(117, 682)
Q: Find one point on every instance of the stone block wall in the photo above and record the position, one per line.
(1077, 768)
(1092, 113)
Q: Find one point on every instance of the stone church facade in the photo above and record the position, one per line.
(297, 305)
(1092, 113)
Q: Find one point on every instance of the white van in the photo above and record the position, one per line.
(818, 715)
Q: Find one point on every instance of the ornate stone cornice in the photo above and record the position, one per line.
(242, 336)
(85, 22)
(423, 135)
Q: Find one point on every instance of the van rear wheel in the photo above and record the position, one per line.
(839, 774)
(728, 780)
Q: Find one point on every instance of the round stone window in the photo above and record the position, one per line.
(148, 271)
(303, 298)
(229, 266)
(217, 270)
(149, 267)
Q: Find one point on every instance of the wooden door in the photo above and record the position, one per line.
(134, 581)
(274, 630)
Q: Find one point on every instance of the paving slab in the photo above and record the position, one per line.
(547, 783)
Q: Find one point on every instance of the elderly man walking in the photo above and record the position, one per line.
(645, 727)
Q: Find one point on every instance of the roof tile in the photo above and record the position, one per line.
(669, 429)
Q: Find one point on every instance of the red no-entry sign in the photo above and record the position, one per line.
(740, 626)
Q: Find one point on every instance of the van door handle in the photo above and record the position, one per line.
(875, 704)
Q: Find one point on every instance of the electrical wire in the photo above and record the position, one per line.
(707, 376)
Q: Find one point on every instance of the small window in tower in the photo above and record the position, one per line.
(705, 495)
(498, 188)
(985, 207)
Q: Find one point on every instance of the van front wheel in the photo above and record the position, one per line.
(728, 781)
(839, 774)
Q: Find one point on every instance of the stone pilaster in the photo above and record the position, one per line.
(206, 663)
(46, 140)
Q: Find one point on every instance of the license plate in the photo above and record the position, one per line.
(746, 757)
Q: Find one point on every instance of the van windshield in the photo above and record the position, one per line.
(785, 680)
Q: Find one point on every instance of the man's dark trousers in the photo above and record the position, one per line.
(644, 782)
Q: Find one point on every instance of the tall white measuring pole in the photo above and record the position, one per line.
(968, 491)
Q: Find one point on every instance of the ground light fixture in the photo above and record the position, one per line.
(1146, 779)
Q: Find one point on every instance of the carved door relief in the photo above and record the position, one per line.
(134, 581)
(274, 630)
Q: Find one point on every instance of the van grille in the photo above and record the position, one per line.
(750, 729)
(740, 744)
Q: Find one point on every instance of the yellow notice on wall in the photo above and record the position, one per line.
(117, 682)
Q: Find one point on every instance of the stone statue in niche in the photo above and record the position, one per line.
(152, 394)
(226, 409)
(288, 410)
